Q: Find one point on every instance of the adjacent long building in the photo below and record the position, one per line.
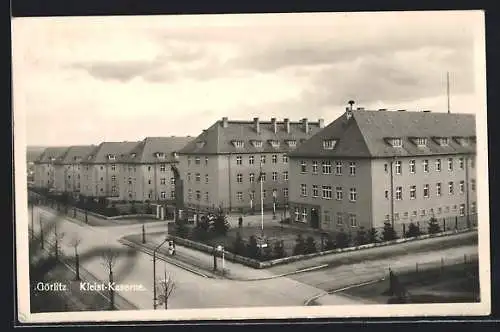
(371, 167)
(220, 168)
(45, 174)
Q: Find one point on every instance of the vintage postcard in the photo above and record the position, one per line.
(271, 166)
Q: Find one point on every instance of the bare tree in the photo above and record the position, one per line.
(109, 261)
(75, 242)
(167, 286)
(57, 242)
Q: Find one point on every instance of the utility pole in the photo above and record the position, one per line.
(154, 272)
(448, 90)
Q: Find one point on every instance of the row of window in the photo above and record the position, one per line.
(239, 177)
(327, 191)
(432, 212)
(326, 167)
(163, 168)
(398, 165)
(163, 195)
(239, 194)
(301, 215)
(239, 160)
(426, 190)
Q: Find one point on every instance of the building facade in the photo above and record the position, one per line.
(371, 167)
(146, 172)
(44, 168)
(100, 169)
(221, 167)
(68, 169)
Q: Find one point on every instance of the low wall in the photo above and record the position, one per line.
(81, 214)
(262, 265)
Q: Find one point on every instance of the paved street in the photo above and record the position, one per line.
(193, 291)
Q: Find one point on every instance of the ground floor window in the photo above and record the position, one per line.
(297, 214)
(163, 195)
(304, 215)
(353, 220)
(473, 207)
(340, 219)
(462, 210)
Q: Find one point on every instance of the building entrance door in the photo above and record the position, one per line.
(314, 218)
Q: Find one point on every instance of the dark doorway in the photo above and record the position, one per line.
(314, 218)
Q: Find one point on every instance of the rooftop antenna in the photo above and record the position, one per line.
(351, 102)
(448, 89)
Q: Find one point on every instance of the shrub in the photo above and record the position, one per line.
(372, 235)
(181, 229)
(413, 230)
(389, 234)
(279, 249)
(239, 245)
(330, 244)
(220, 224)
(148, 209)
(361, 237)
(342, 239)
(267, 252)
(299, 245)
(310, 246)
(433, 226)
(133, 209)
(252, 248)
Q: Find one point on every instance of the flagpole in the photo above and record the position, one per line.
(261, 200)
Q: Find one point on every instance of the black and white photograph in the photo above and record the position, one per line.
(251, 166)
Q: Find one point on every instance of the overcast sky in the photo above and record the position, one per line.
(92, 79)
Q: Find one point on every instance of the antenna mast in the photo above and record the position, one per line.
(448, 89)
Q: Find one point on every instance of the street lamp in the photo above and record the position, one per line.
(221, 248)
(154, 271)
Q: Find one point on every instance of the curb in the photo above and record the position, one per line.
(163, 257)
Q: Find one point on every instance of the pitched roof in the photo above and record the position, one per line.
(221, 136)
(75, 154)
(365, 134)
(146, 151)
(33, 153)
(100, 153)
(50, 154)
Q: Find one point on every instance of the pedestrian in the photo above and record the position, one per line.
(240, 221)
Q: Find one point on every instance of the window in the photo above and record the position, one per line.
(113, 167)
(113, 189)
(238, 144)
(239, 196)
(275, 193)
(450, 164)
(252, 177)
(257, 144)
(172, 181)
(353, 195)
(129, 180)
(285, 192)
(461, 187)
(274, 143)
(413, 192)
(315, 166)
(473, 185)
(206, 178)
(198, 177)
(189, 160)
(197, 160)
(263, 159)
(396, 216)
(162, 168)
(473, 207)
(304, 215)
(387, 218)
(386, 194)
(329, 144)
(443, 141)
(189, 177)
(326, 167)
(426, 191)
(113, 178)
(250, 160)
(264, 194)
(438, 189)
(339, 194)
(440, 210)
(462, 210)
(398, 167)
(303, 190)
(454, 207)
(285, 176)
(285, 158)
(327, 192)
(297, 214)
(447, 209)
(412, 166)
(472, 163)
(450, 188)
(239, 178)
(292, 143)
(386, 168)
(352, 220)
(340, 218)
(198, 195)
(275, 176)
(338, 168)
(303, 166)
(326, 216)
(396, 142)
(425, 165)
(162, 181)
(352, 168)
(421, 141)
(252, 195)
(399, 193)
(163, 195)
(206, 161)
(414, 213)
(461, 163)
(315, 191)
(238, 160)
(172, 194)
(422, 212)
(274, 158)
(438, 165)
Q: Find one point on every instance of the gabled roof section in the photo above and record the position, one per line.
(75, 154)
(221, 137)
(51, 154)
(156, 150)
(367, 134)
(100, 155)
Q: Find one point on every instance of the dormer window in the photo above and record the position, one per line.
(90, 157)
(200, 144)
(238, 144)
(111, 157)
(292, 143)
(464, 141)
(420, 141)
(442, 141)
(175, 155)
(395, 142)
(329, 144)
(274, 143)
(133, 155)
(160, 155)
(52, 158)
(257, 144)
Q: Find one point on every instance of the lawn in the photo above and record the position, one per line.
(452, 284)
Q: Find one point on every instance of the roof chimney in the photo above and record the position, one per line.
(360, 108)
(321, 123)
(287, 125)
(305, 125)
(401, 110)
(257, 125)
(224, 122)
(426, 111)
(273, 122)
(382, 109)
